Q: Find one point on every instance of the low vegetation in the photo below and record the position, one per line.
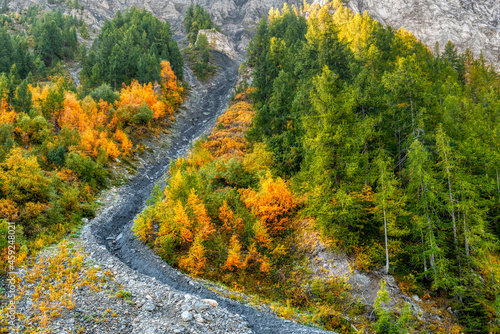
(49, 286)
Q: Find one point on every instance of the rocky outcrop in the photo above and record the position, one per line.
(473, 24)
(219, 42)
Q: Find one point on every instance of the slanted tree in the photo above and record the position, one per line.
(386, 198)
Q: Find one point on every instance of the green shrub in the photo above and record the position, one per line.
(86, 169)
(143, 115)
(104, 92)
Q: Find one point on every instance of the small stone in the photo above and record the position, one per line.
(198, 318)
(85, 220)
(211, 302)
(188, 297)
(416, 298)
(148, 306)
(186, 316)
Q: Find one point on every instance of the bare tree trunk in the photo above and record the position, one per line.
(423, 252)
(498, 185)
(487, 178)
(451, 204)
(432, 259)
(467, 249)
(385, 228)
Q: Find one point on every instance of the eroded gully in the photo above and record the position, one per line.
(112, 228)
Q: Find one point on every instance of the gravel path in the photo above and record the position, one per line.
(109, 240)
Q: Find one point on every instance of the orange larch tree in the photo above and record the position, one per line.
(135, 95)
(273, 204)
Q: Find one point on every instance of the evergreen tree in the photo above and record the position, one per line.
(22, 101)
(6, 51)
(131, 46)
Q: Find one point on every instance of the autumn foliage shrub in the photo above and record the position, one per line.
(55, 156)
(221, 216)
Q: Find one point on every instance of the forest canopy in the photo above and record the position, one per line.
(395, 146)
(131, 46)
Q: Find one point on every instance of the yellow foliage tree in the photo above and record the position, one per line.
(38, 94)
(72, 115)
(21, 178)
(205, 226)
(7, 116)
(181, 221)
(226, 215)
(126, 144)
(261, 235)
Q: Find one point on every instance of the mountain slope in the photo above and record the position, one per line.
(236, 18)
(473, 24)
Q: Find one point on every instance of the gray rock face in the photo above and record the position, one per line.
(473, 24)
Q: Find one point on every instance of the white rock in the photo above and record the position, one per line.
(186, 316)
(211, 302)
(219, 42)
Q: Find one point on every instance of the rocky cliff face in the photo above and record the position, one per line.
(236, 18)
(219, 42)
(473, 24)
